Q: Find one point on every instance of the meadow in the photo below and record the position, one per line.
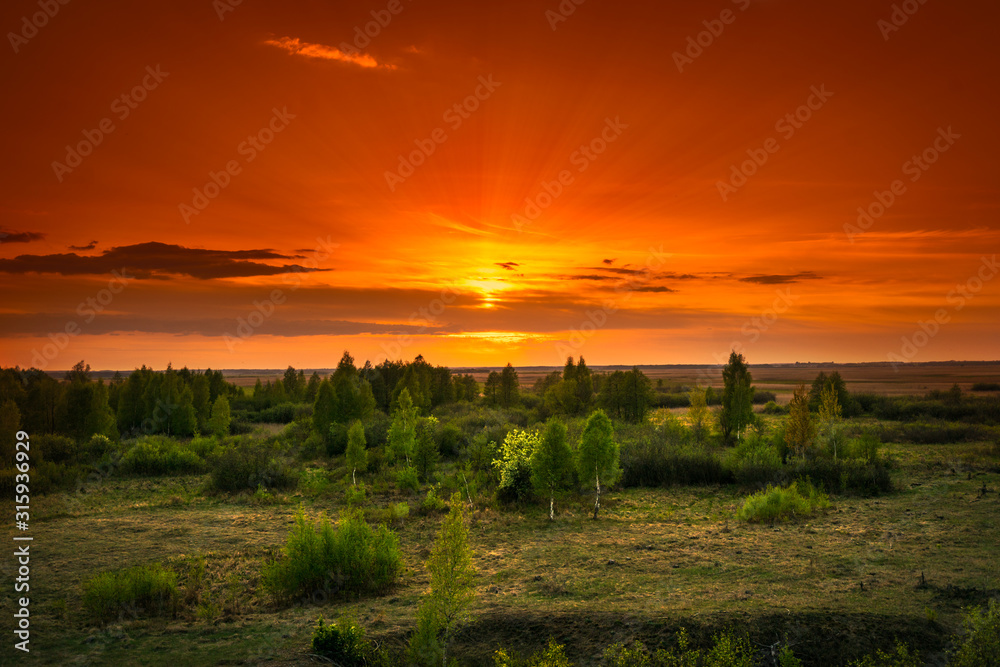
(902, 547)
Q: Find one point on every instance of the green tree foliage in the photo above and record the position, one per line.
(979, 643)
(491, 390)
(353, 397)
(737, 398)
(10, 424)
(509, 394)
(312, 389)
(800, 430)
(218, 423)
(626, 395)
(513, 465)
(403, 431)
(597, 457)
(324, 410)
(291, 383)
(821, 382)
(829, 417)
(426, 452)
(357, 455)
(698, 415)
(452, 590)
(552, 463)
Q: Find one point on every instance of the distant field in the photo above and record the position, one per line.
(781, 379)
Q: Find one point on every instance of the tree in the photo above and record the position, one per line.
(452, 590)
(426, 452)
(323, 410)
(357, 456)
(403, 431)
(799, 428)
(829, 416)
(513, 465)
(291, 383)
(698, 414)
(491, 389)
(218, 423)
(509, 387)
(597, 457)
(584, 386)
(737, 397)
(627, 395)
(552, 463)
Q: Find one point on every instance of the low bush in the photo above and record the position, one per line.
(351, 558)
(654, 462)
(729, 649)
(144, 589)
(902, 656)
(755, 463)
(407, 479)
(781, 503)
(848, 476)
(344, 643)
(432, 503)
(979, 642)
(772, 408)
(986, 386)
(552, 656)
(246, 465)
(157, 455)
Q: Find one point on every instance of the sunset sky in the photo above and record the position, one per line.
(321, 241)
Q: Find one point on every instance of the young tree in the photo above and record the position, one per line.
(452, 590)
(799, 428)
(737, 397)
(552, 463)
(218, 423)
(597, 457)
(426, 450)
(491, 390)
(698, 414)
(323, 409)
(357, 456)
(403, 431)
(829, 416)
(509, 387)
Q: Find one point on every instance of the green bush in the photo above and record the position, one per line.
(343, 643)
(450, 439)
(513, 466)
(728, 650)
(133, 591)
(902, 656)
(653, 461)
(356, 495)
(407, 479)
(553, 656)
(778, 504)
(755, 463)
(160, 455)
(54, 448)
(772, 408)
(432, 503)
(351, 558)
(246, 465)
(979, 643)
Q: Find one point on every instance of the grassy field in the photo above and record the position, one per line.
(837, 585)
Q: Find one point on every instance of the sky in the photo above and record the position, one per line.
(262, 184)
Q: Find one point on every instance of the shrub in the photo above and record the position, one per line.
(355, 495)
(160, 455)
(850, 476)
(900, 657)
(247, 465)
(986, 386)
(755, 463)
(343, 643)
(432, 503)
(553, 656)
(451, 441)
(652, 462)
(979, 643)
(98, 446)
(336, 442)
(772, 408)
(778, 504)
(54, 448)
(728, 650)
(143, 588)
(408, 480)
(351, 558)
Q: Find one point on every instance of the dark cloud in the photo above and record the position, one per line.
(158, 260)
(507, 265)
(780, 279)
(7, 236)
(609, 261)
(616, 270)
(89, 246)
(653, 288)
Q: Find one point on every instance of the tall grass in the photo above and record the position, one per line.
(779, 504)
(351, 558)
(131, 592)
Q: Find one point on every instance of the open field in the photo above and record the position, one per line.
(655, 560)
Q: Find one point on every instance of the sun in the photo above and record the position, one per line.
(488, 289)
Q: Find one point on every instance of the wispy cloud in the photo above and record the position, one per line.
(297, 47)
(780, 279)
(7, 236)
(89, 246)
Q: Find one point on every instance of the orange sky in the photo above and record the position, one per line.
(639, 246)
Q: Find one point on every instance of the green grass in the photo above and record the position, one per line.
(795, 501)
(131, 593)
